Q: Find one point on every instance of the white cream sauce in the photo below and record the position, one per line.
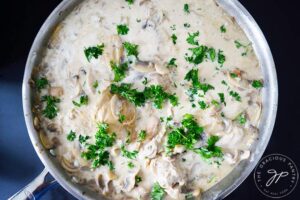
(71, 75)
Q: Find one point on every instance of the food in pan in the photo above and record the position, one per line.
(148, 99)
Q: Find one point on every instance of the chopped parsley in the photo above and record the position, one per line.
(119, 70)
(235, 95)
(215, 103)
(210, 150)
(157, 192)
(128, 154)
(121, 118)
(138, 179)
(242, 119)
(153, 93)
(71, 136)
(130, 2)
(84, 100)
(95, 84)
(233, 75)
(142, 135)
(131, 49)
(122, 29)
(96, 152)
(202, 105)
(221, 57)
(51, 109)
(223, 29)
(173, 27)
(145, 81)
(186, 8)
(83, 139)
(130, 165)
(192, 38)
(222, 98)
(174, 38)
(187, 135)
(172, 63)
(239, 45)
(192, 75)
(93, 52)
(198, 54)
(212, 54)
(257, 84)
(41, 83)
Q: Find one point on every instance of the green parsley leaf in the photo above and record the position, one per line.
(223, 29)
(122, 29)
(192, 38)
(121, 118)
(187, 25)
(138, 179)
(51, 109)
(128, 154)
(242, 119)
(173, 27)
(145, 81)
(157, 192)
(41, 83)
(212, 54)
(174, 38)
(222, 98)
(130, 165)
(84, 100)
(130, 2)
(71, 136)
(210, 150)
(233, 75)
(95, 84)
(186, 8)
(142, 135)
(202, 105)
(131, 49)
(198, 54)
(235, 95)
(93, 52)
(172, 63)
(187, 135)
(221, 57)
(119, 70)
(257, 84)
(83, 139)
(192, 75)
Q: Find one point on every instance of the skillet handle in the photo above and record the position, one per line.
(36, 188)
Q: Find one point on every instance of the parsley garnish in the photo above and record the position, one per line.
(192, 38)
(145, 81)
(128, 154)
(187, 25)
(240, 45)
(51, 109)
(41, 83)
(157, 192)
(119, 70)
(93, 52)
(235, 95)
(233, 75)
(223, 29)
(142, 135)
(242, 119)
(83, 139)
(95, 84)
(186, 8)
(198, 55)
(192, 75)
(84, 100)
(212, 54)
(222, 98)
(71, 136)
(221, 57)
(172, 63)
(96, 152)
(130, 165)
(174, 38)
(173, 27)
(122, 29)
(130, 2)
(187, 135)
(132, 95)
(202, 105)
(138, 179)
(131, 49)
(121, 118)
(257, 84)
(210, 150)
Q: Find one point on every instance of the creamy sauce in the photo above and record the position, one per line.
(151, 25)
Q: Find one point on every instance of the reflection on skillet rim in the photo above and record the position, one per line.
(230, 182)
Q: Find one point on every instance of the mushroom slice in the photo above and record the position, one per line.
(254, 113)
(68, 166)
(56, 91)
(144, 66)
(126, 182)
(103, 182)
(161, 69)
(150, 149)
(114, 51)
(47, 144)
(238, 81)
(121, 107)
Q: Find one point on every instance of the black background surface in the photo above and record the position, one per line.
(278, 19)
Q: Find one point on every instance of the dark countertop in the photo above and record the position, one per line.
(20, 22)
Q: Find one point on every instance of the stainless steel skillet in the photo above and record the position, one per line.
(219, 191)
